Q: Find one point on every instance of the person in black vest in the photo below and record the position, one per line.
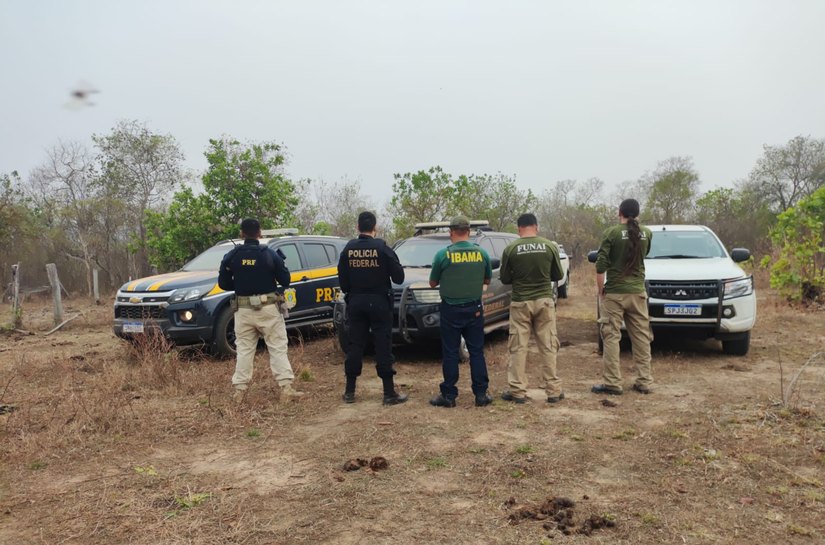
(365, 269)
(254, 271)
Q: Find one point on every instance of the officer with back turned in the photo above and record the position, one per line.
(253, 271)
(365, 269)
(461, 271)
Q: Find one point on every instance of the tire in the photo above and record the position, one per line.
(563, 289)
(738, 347)
(343, 342)
(223, 342)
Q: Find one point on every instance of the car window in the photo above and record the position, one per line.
(684, 244)
(419, 252)
(332, 253)
(316, 255)
(293, 259)
(498, 246)
(210, 260)
(487, 244)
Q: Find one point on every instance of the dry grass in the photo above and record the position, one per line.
(112, 443)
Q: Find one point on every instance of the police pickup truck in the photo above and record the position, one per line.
(189, 308)
(416, 314)
(695, 288)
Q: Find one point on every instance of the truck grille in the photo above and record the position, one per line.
(396, 295)
(683, 291)
(140, 312)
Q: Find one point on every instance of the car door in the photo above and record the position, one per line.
(497, 297)
(298, 273)
(321, 275)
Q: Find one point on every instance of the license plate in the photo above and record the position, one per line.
(133, 327)
(683, 310)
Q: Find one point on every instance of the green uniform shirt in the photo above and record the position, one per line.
(531, 264)
(461, 269)
(612, 259)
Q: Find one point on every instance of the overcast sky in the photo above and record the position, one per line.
(543, 90)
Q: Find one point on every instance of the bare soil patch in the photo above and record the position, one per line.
(105, 445)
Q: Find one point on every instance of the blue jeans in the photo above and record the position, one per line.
(465, 320)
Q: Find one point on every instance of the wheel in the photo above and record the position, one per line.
(738, 347)
(563, 288)
(463, 352)
(223, 343)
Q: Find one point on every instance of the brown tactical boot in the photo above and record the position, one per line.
(239, 396)
(288, 392)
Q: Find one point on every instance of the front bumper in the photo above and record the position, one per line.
(157, 315)
(724, 319)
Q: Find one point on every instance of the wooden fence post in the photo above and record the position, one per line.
(95, 286)
(16, 308)
(51, 270)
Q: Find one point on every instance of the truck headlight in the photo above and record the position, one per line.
(738, 288)
(185, 295)
(426, 296)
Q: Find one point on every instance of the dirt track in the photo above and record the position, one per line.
(110, 447)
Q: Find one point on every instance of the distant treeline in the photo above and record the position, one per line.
(129, 207)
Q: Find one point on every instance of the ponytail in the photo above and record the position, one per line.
(629, 208)
(634, 250)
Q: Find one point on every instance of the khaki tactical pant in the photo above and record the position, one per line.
(632, 308)
(250, 325)
(536, 318)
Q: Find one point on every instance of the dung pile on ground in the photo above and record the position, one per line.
(559, 514)
(377, 463)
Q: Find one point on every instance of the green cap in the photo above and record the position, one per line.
(460, 222)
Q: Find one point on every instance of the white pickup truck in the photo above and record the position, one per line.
(696, 288)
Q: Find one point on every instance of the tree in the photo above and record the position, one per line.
(495, 198)
(67, 193)
(426, 195)
(571, 214)
(241, 181)
(141, 169)
(672, 186)
(791, 172)
(248, 180)
(723, 210)
(799, 240)
(331, 208)
(16, 224)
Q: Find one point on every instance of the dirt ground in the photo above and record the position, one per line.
(109, 444)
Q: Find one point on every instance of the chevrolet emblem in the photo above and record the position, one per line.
(134, 299)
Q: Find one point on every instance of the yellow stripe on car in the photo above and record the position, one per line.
(314, 274)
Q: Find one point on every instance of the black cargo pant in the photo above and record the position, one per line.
(365, 313)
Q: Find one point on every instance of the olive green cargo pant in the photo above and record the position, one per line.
(536, 318)
(250, 325)
(632, 308)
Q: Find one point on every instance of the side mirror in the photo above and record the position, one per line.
(592, 256)
(495, 262)
(738, 255)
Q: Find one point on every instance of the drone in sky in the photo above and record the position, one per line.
(80, 96)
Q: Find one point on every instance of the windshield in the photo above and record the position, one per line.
(210, 260)
(419, 252)
(684, 245)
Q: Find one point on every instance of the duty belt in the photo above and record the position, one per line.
(266, 299)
